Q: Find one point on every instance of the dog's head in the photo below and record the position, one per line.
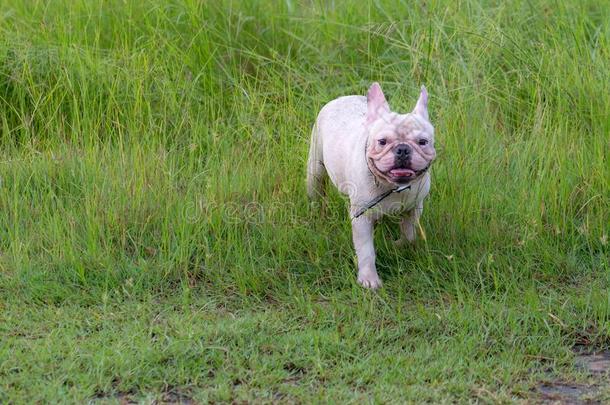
(400, 147)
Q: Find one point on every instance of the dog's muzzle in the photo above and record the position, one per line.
(402, 155)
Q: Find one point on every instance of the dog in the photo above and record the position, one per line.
(380, 159)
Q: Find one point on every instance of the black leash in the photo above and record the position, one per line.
(380, 198)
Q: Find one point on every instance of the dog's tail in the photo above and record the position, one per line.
(316, 172)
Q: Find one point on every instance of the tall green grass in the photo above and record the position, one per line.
(158, 147)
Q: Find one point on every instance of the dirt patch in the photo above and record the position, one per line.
(168, 397)
(560, 392)
(566, 393)
(176, 397)
(296, 373)
(593, 363)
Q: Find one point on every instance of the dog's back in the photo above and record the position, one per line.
(338, 128)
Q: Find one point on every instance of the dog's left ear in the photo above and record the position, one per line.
(421, 108)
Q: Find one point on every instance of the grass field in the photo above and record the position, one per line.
(156, 242)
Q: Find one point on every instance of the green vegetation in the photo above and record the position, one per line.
(156, 242)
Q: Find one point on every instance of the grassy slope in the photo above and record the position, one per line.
(155, 236)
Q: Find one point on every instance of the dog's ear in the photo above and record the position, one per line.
(421, 108)
(376, 103)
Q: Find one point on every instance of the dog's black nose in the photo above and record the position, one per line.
(402, 151)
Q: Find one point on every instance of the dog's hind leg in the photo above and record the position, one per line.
(316, 172)
(409, 223)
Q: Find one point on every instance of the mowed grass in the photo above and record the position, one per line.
(156, 242)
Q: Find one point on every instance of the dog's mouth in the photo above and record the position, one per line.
(398, 174)
(405, 175)
(401, 173)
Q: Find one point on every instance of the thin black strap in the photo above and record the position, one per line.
(378, 199)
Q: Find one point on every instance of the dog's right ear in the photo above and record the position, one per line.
(376, 103)
(421, 108)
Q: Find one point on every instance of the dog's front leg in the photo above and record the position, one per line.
(408, 224)
(362, 233)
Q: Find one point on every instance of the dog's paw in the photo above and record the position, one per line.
(400, 242)
(404, 242)
(369, 280)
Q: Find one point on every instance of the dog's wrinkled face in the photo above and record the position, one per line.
(400, 146)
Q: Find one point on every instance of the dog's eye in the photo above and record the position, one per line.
(382, 142)
(422, 142)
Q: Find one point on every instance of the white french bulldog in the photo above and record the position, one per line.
(380, 159)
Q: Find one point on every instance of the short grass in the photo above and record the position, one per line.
(156, 242)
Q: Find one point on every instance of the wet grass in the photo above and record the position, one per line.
(155, 237)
